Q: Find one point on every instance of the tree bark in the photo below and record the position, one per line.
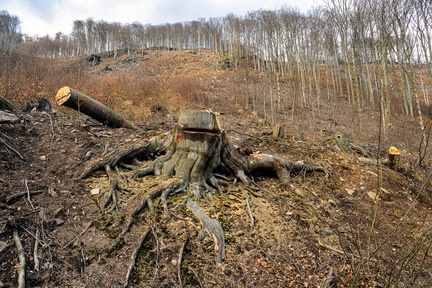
(74, 99)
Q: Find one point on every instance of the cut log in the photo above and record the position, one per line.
(74, 99)
(6, 105)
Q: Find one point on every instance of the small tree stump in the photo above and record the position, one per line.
(394, 158)
(74, 99)
(278, 131)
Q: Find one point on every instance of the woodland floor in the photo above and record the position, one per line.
(318, 239)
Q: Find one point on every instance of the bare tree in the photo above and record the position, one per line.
(10, 32)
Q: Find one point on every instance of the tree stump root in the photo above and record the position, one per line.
(190, 160)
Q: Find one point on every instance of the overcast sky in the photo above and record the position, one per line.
(41, 17)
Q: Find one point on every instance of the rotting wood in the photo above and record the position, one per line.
(74, 99)
(21, 258)
(213, 228)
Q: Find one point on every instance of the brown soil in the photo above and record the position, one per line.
(319, 238)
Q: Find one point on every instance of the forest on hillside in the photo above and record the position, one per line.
(340, 196)
(375, 53)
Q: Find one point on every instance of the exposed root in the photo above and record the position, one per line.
(196, 277)
(36, 251)
(22, 260)
(112, 193)
(328, 281)
(124, 154)
(130, 218)
(180, 260)
(134, 256)
(213, 228)
(250, 211)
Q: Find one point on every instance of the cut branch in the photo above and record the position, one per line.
(76, 100)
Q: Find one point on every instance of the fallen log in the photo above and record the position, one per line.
(76, 100)
(6, 105)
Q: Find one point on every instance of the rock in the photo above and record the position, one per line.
(95, 191)
(350, 191)
(59, 221)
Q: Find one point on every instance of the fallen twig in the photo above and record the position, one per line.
(82, 233)
(197, 277)
(340, 251)
(327, 282)
(134, 256)
(250, 211)
(179, 262)
(20, 194)
(28, 193)
(21, 257)
(11, 148)
(36, 251)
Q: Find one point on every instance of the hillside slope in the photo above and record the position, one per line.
(336, 232)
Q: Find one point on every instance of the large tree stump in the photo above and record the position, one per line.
(187, 159)
(74, 99)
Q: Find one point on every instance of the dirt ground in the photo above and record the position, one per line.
(324, 237)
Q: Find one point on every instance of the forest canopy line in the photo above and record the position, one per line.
(364, 50)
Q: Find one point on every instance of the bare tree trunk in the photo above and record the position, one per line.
(76, 100)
